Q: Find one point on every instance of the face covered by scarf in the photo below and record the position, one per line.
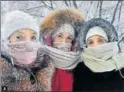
(24, 52)
(61, 54)
(103, 58)
(64, 45)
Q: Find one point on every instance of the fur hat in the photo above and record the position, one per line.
(55, 19)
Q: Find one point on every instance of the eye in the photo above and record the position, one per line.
(69, 38)
(89, 42)
(102, 40)
(33, 38)
(19, 38)
(59, 35)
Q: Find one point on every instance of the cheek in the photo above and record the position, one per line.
(12, 39)
(100, 43)
(96, 44)
(89, 46)
(68, 40)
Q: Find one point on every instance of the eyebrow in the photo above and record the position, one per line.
(60, 34)
(19, 32)
(100, 37)
(23, 33)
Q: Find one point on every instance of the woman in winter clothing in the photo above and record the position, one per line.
(20, 35)
(59, 31)
(102, 68)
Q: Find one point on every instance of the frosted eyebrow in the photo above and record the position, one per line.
(60, 34)
(19, 32)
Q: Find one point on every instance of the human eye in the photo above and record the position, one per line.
(102, 40)
(69, 37)
(33, 38)
(19, 37)
(90, 42)
(59, 35)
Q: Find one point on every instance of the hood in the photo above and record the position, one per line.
(56, 18)
(106, 25)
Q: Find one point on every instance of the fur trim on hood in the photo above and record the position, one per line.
(106, 25)
(56, 18)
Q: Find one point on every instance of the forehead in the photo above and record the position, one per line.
(25, 31)
(65, 33)
(95, 37)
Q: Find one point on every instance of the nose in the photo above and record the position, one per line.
(96, 43)
(63, 40)
(27, 38)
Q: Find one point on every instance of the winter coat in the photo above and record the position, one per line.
(58, 79)
(14, 78)
(17, 78)
(89, 81)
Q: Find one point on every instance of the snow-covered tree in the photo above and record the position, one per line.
(113, 11)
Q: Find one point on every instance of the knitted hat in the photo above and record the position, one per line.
(65, 28)
(96, 31)
(15, 21)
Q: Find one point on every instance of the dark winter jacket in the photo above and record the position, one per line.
(86, 80)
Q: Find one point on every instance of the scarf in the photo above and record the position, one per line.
(62, 59)
(63, 46)
(24, 53)
(103, 58)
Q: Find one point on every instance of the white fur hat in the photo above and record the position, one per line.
(96, 31)
(14, 21)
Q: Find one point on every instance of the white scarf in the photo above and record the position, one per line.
(103, 58)
(62, 59)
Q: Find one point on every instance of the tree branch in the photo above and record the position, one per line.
(47, 6)
(35, 7)
(66, 3)
(75, 4)
(69, 2)
(119, 16)
(113, 18)
(100, 9)
(51, 4)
